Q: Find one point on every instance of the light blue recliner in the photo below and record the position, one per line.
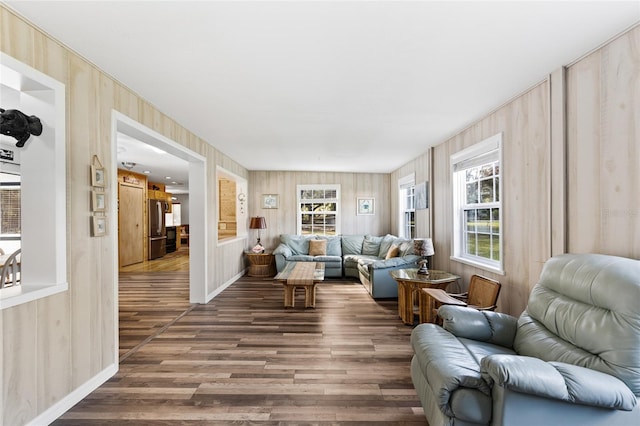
(572, 358)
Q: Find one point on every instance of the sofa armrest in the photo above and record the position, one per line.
(283, 250)
(485, 326)
(557, 380)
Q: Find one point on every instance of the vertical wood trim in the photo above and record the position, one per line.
(557, 190)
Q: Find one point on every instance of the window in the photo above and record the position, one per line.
(477, 209)
(406, 201)
(318, 209)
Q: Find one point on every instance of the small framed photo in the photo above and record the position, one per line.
(422, 196)
(270, 201)
(366, 206)
(97, 176)
(98, 226)
(98, 201)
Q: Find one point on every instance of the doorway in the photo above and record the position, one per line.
(196, 251)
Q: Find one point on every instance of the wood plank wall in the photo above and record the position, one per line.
(53, 346)
(352, 185)
(582, 173)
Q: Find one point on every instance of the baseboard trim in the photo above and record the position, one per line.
(224, 286)
(62, 406)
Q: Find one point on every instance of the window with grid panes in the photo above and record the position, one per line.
(318, 209)
(477, 236)
(406, 201)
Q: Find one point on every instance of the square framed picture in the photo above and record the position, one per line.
(422, 196)
(366, 206)
(98, 226)
(97, 176)
(98, 201)
(270, 201)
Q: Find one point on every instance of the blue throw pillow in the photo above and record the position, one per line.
(371, 245)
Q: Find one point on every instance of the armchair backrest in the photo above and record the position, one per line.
(483, 292)
(585, 310)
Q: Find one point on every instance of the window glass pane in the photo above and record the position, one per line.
(472, 174)
(471, 243)
(497, 182)
(472, 193)
(306, 219)
(318, 194)
(306, 207)
(306, 194)
(471, 220)
(306, 229)
(495, 252)
(330, 207)
(483, 246)
(483, 222)
(10, 221)
(331, 194)
(495, 217)
(486, 191)
(486, 170)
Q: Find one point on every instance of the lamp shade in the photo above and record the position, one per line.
(423, 247)
(258, 223)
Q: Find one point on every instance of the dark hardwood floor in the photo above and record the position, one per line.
(244, 359)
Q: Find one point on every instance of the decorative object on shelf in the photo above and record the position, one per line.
(422, 196)
(423, 247)
(18, 125)
(98, 201)
(366, 206)
(270, 201)
(97, 173)
(242, 197)
(258, 223)
(98, 226)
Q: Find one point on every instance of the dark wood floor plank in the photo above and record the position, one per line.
(245, 359)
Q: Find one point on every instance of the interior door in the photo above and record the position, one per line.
(131, 237)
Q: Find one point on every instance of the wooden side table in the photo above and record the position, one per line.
(261, 265)
(410, 282)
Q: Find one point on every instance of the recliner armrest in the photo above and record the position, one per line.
(485, 326)
(557, 380)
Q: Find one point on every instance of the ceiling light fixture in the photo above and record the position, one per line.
(146, 172)
(128, 165)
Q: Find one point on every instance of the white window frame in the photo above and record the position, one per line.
(489, 150)
(404, 184)
(329, 187)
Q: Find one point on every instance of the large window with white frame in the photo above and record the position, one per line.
(407, 207)
(318, 209)
(477, 205)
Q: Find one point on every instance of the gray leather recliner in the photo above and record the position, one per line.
(572, 357)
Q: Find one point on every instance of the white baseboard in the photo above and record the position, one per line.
(219, 290)
(62, 406)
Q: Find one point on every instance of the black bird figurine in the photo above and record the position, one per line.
(18, 125)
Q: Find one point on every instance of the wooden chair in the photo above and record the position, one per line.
(482, 295)
(10, 275)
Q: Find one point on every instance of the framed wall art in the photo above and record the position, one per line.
(366, 206)
(98, 226)
(97, 173)
(270, 201)
(422, 196)
(98, 201)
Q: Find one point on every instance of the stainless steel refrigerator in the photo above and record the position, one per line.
(157, 235)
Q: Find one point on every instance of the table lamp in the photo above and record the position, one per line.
(423, 247)
(258, 223)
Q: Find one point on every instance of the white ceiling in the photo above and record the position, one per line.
(362, 86)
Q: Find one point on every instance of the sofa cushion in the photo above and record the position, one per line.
(393, 251)
(385, 244)
(299, 244)
(317, 247)
(371, 245)
(334, 245)
(300, 258)
(352, 244)
(330, 259)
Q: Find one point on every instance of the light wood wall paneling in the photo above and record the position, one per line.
(603, 149)
(58, 343)
(352, 185)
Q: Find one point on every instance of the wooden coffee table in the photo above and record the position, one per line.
(301, 274)
(409, 282)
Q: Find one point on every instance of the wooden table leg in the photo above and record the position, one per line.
(310, 296)
(427, 306)
(289, 295)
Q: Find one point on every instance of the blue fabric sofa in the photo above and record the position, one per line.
(365, 257)
(571, 358)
